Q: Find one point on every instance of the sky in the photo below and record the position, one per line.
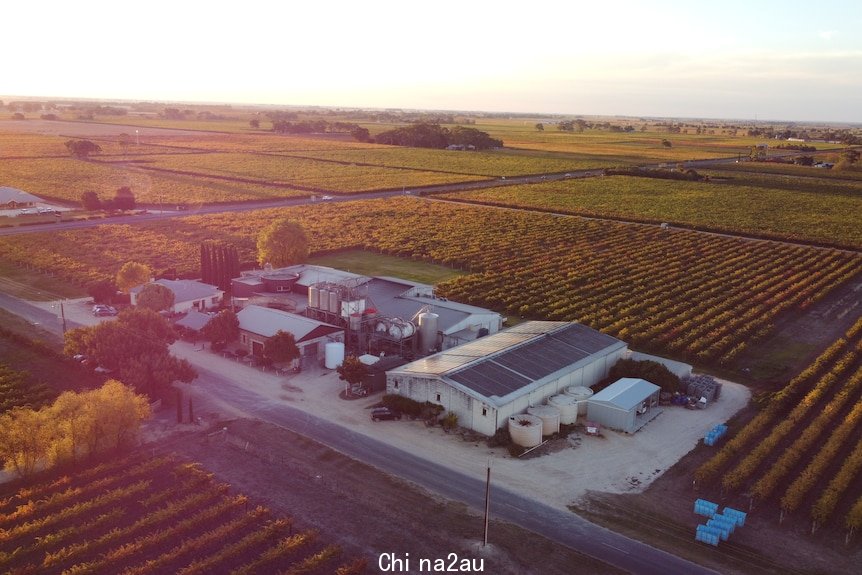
(754, 59)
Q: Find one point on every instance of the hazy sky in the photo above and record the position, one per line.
(788, 60)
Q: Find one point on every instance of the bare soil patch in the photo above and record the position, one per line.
(364, 510)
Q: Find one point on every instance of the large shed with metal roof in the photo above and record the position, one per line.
(487, 380)
(626, 405)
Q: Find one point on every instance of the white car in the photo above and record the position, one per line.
(325, 198)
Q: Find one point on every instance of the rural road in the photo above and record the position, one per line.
(556, 525)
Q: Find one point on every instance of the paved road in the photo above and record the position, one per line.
(560, 526)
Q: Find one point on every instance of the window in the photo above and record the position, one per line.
(484, 411)
(395, 384)
(438, 397)
(243, 338)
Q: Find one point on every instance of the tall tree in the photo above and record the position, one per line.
(352, 370)
(133, 274)
(124, 199)
(82, 148)
(222, 329)
(283, 243)
(281, 348)
(90, 201)
(156, 297)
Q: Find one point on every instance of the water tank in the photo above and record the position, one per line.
(550, 417)
(427, 331)
(582, 394)
(400, 329)
(525, 430)
(324, 299)
(313, 297)
(355, 321)
(333, 354)
(334, 302)
(568, 407)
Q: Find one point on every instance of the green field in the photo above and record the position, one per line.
(805, 209)
(373, 264)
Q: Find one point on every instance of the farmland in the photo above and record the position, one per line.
(808, 209)
(135, 515)
(802, 453)
(675, 291)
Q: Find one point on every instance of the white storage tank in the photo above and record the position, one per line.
(525, 430)
(568, 407)
(313, 297)
(323, 297)
(333, 354)
(400, 329)
(334, 302)
(582, 394)
(427, 331)
(550, 417)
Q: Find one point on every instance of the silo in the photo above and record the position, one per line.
(550, 417)
(335, 302)
(582, 394)
(525, 430)
(313, 297)
(355, 321)
(427, 331)
(324, 298)
(568, 407)
(333, 354)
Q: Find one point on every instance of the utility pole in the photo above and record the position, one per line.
(63, 316)
(487, 502)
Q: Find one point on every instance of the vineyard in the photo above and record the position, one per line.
(790, 208)
(18, 390)
(801, 455)
(683, 293)
(135, 516)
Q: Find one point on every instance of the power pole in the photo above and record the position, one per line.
(63, 317)
(487, 503)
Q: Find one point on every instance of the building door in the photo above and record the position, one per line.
(257, 348)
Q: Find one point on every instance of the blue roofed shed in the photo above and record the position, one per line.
(626, 405)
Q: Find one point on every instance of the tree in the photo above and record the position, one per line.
(219, 264)
(155, 297)
(652, 371)
(82, 148)
(281, 348)
(254, 123)
(133, 274)
(102, 291)
(850, 156)
(124, 199)
(90, 201)
(18, 116)
(360, 134)
(352, 370)
(135, 346)
(25, 435)
(222, 329)
(282, 244)
(540, 127)
(125, 140)
(666, 143)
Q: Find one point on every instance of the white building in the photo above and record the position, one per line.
(188, 295)
(257, 324)
(487, 380)
(626, 405)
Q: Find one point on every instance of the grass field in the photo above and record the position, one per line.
(807, 209)
(375, 264)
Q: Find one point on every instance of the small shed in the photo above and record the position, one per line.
(626, 405)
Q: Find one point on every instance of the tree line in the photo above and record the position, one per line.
(423, 135)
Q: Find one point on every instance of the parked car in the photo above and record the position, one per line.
(104, 310)
(325, 198)
(381, 413)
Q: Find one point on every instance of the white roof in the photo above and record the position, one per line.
(626, 393)
(185, 290)
(267, 322)
(15, 195)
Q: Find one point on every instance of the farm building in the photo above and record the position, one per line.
(257, 324)
(13, 198)
(379, 314)
(188, 294)
(486, 381)
(626, 405)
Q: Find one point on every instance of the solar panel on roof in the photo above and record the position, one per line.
(490, 379)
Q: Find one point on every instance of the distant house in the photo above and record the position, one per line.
(11, 198)
(188, 295)
(257, 324)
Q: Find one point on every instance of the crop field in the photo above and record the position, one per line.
(304, 173)
(824, 211)
(800, 171)
(66, 179)
(703, 298)
(802, 453)
(135, 516)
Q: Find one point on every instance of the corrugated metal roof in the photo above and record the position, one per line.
(8, 195)
(267, 322)
(194, 320)
(503, 363)
(626, 393)
(185, 290)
